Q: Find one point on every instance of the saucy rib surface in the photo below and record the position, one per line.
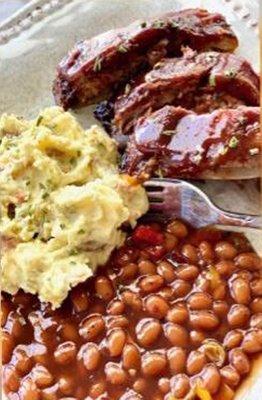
(94, 67)
(198, 81)
(175, 142)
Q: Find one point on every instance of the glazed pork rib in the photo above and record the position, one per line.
(200, 82)
(174, 142)
(94, 67)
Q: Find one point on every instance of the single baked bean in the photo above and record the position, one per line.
(156, 306)
(180, 385)
(128, 272)
(225, 250)
(148, 331)
(115, 374)
(91, 327)
(230, 375)
(21, 359)
(117, 321)
(190, 252)
(211, 378)
(116, 341)
(214, 351)
(178, 229)
(28, 390)
(176, 334)
(170, 241)
(199, 301)
(41, 376)
(97, 389)
(66, 385)
(14, 324)
(203, 319)
(178, 314)
(187, 272)
(225, 268)
(39, 353)
(196, 337)
(164, 385)
(7, 347)
(131, 357)
(220, 291)
(90, 355)
(140, 385)
(233, 339)
(104, 288)
(195, 362)
(206, 252)
(239, 360)
(166, 270)
(256, 321)
(181, 288)
(256, 287)
(10, 378)
(256, 305)
(132, 300)
(238, 315)
(80, 300)
(146, 267)
(252, 342)
(65, 353)
(220, 308)
(151, 283)
(177, 359)
(249, 261)
(153, 363)
(247, 275)
(167, 293)
(203, 283)
(240, 291)
(116, 307)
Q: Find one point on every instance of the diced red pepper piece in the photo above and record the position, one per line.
(145, 235)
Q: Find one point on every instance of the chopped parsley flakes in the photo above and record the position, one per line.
(233, 142)
(97, 64)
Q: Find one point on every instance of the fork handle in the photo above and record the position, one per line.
(241, 220)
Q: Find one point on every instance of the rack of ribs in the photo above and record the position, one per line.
(201, 82)
(175, 142)
(94, 68)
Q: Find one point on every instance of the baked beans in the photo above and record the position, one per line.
(151, 324)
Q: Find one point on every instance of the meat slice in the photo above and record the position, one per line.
(94, 67)
(201, 82)
(174, 142)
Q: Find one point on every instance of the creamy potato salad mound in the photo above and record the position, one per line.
(63, 203)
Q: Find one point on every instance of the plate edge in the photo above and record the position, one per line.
(28, 15)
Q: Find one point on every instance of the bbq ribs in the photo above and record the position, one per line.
(201, 82)
(93, 69)
(175, 142)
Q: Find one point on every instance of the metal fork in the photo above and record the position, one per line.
(177, 198)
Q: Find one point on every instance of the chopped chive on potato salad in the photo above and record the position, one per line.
(63, 203)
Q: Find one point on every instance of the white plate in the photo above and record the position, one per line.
(37, 37)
